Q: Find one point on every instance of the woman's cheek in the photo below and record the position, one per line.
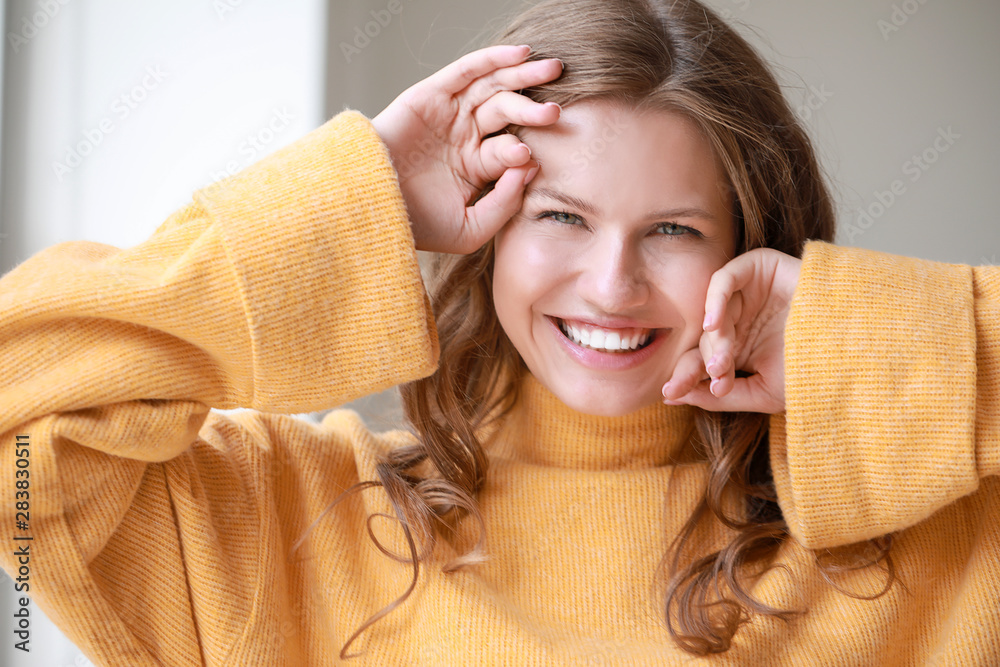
(683, 280)
(524, 270)
(541, 253)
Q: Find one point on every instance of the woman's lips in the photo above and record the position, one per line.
(605, 339)
(576, 337)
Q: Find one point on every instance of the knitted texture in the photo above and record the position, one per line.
(164, 532)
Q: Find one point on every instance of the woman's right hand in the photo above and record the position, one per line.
(435, 134)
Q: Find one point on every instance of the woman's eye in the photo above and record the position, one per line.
(562, 218)
(673, 229)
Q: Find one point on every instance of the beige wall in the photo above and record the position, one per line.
(874, 95)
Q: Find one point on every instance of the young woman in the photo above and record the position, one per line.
(633, 239)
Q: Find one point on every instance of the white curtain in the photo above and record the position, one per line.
(114, 112)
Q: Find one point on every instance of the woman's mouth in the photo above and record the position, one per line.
(603, 339)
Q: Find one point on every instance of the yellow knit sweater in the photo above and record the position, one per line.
(161, 531)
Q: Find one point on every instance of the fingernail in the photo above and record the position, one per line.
(714, 386)
(708, 321)
(525, 47)
(710, 366)
(530, 175)
(666, 388)
(553, 104)
(528, 147)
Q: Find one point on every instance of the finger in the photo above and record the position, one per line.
(457, 76)
(508, 108)
(688, 372)
(696, 395)
(522, 76)
(748, 395)
(716, 366)
(725, 282)
(499, 153)
(719, 346)
(485, 218)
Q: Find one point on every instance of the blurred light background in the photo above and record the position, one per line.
(113, 113)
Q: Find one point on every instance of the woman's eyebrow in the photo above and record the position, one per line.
(682, 212)
(568, 200)
(590, 209)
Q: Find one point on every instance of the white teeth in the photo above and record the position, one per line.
(606, 341)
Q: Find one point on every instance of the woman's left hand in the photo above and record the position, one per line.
(745, 312)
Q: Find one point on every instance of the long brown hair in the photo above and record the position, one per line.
(665, 54)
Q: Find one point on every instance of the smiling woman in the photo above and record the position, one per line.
(653, 412)
(665, 111)
(603, 295)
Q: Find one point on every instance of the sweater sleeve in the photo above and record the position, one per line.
(892, 381)
(290, 287)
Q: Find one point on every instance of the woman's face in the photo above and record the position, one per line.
(614, 247)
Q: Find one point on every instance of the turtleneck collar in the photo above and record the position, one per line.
(542, 430)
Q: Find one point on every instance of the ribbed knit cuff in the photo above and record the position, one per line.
(987, 296)
(880, 385)
(320, 241)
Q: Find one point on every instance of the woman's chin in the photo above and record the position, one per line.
(604, 401)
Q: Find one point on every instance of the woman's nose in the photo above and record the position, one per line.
(612, 277)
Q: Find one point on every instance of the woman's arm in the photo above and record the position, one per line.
(882, 373)
(229, 295)
(892, 378)
(291, 287)
(158, 533)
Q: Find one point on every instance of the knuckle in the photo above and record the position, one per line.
(467, 69)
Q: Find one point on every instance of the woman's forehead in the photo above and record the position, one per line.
(595, 130)
(618, 152)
